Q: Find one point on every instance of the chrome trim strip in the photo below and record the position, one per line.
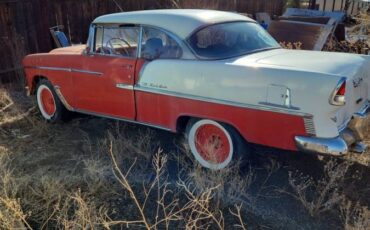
(124, 86)
(364, 110)
(122, 119)
(86, 72)
(50, 68)
(62, 99)
(334, 99)
(309, 125)
(279, 106)
(218, 101)
(65, 70)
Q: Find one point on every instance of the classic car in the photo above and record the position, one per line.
(217, 76)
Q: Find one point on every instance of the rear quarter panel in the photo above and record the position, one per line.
(230, 81)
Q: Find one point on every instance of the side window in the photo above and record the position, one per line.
(156, 44)
(118, 41)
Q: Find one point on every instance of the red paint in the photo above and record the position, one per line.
(139, 64)
(83, 91)
(99, 94)
(212, 143)
(256, 126)
(47, 101)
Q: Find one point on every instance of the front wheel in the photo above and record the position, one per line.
(51, 108)
(213, 145)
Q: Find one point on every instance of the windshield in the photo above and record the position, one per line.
(233, 39)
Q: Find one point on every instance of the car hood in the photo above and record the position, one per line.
(342, 64)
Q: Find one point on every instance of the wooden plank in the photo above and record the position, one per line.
(318, 20)
(306, 33)
(24, 24)
(11, 70)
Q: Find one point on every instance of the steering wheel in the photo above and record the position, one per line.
(110, 45)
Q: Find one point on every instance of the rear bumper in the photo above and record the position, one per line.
(348, 140)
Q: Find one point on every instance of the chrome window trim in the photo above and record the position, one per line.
(196, 30)
(113, 27)
(219, 101)
(91, 39)
(140, 43)
(71, 70)
(179, 42)
(114, 55)
(185, 49)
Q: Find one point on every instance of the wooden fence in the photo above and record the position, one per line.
(24, 24)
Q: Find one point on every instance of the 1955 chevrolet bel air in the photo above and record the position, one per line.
(217, 76)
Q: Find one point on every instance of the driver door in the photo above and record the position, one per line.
(105, 84)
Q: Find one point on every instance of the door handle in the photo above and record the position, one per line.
(127, 66)
(124, 86)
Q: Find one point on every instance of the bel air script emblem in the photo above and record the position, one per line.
(357, 82)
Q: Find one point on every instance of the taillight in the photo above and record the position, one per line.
(338, 95)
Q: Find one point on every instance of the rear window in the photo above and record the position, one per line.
(232, 39)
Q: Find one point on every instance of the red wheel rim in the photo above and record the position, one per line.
(47, 101)
(212, 143)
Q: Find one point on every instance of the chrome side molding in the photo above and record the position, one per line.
(66, 70)
(62, 99)
(283, 110)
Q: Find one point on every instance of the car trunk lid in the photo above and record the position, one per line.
(355, 68)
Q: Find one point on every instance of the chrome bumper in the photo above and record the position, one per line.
(348, 140)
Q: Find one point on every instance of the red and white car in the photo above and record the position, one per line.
(215, 75)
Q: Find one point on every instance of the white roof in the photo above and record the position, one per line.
(181, 22)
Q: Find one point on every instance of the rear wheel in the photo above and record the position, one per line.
(214, 145)
(50, 107)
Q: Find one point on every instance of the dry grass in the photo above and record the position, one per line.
(11, 212)
(354, 216)
(232, 185)
(63, 176)
(291, 46)
(82, 193)
(196, 211)
(322, 195)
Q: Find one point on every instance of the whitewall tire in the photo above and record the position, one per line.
(50, 107)
(46, 102)
(210, 143)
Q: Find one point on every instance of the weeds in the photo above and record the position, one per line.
(354, 216)
(323, 195)
(65, 177)
(78, 212)
(291, 46)
(232, 185)
(11, 212)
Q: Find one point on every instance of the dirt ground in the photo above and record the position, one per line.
(63, 176)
